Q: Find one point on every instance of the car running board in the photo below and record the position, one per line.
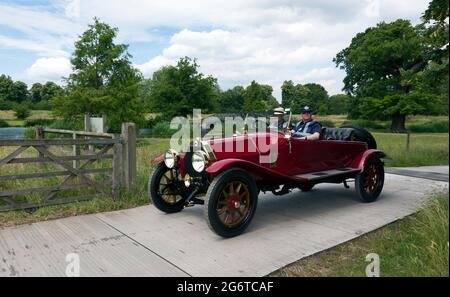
(327, 173)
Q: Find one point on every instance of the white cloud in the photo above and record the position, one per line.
(49, 69)
(237, 41)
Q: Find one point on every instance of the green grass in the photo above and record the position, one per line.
(425, 149)
(415, 246)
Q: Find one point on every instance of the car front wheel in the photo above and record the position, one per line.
(230, 202)
(370, 182)
(163, 190)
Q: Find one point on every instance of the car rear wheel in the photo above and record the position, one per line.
(230, 202)
(370, 182)
(163, 190)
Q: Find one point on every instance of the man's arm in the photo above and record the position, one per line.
(314, 136)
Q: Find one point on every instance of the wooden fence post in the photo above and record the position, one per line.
(117, 165)
(408, 141)
(129, 154)
(39, 135)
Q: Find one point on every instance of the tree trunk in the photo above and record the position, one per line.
(398, 123)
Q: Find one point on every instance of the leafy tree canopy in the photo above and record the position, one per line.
(382, 66)
(232, 100)
(258, 98)
(297, 96)
(103, 80)
(177, 90)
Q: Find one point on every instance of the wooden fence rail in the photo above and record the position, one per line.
(121, 149)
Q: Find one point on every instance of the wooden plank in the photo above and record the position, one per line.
(47, 142)
(68, 179)
(13, 155)
(66, 200)
(71, 169)
(62, 158)
(15, 192)
(52, 174)
(81, 133)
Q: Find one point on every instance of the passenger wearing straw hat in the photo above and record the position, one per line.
(279, 113)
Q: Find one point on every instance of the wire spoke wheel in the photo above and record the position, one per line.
(163, 189)
(167, 188)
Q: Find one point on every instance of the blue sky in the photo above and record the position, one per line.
(236, 41)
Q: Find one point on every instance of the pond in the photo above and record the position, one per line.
(12, 133)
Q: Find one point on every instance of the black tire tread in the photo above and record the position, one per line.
(159, 203)
(211, 189)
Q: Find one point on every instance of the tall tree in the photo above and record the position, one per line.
(339, 104)
(380, 64)
(19, 92)
(176, 90)
(35, 92)
(258, 98)
(6, 85)
(311, 94)
(103, 80)
(49, 90)
(232, 100)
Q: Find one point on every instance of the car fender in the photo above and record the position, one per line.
(158, 159)
(255, 170)
(360, 161)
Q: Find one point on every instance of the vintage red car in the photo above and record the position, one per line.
(228, 183)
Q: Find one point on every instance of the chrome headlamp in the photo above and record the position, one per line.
(199, 160)
(170, 158)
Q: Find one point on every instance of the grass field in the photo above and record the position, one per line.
(425, 149)
(415, 246)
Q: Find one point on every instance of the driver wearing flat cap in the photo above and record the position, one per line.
(307, 128)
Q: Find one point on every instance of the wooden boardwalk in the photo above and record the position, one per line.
(145, 242)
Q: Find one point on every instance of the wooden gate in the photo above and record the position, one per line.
(87, 171)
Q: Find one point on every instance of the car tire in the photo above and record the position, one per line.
(305, 188)
(232, 193)
(161, 203)
(363, 135)
(369, 183)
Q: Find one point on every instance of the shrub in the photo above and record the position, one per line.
(162, 129)
(429, 127)
(3, 124)
(42, 105)
(38, 122)
(29, 133)
(67, 125)
(6, 105)
(21, 111)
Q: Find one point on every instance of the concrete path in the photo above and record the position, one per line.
(439, 173)
(145, 242)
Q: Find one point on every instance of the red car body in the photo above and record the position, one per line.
(296, 163)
